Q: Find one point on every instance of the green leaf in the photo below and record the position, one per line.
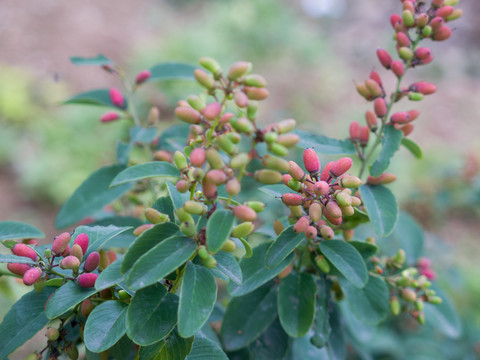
(219, 227)
(173, 138)
(276, 190)
(98, 60)
(125, 238)
(98, 97)
(124, 349)
(346, 260)
(164, 204)
(302, 348)
(321, 326)
(172, 71)
(198, 296)
(105, 326)
(369, 304)
(323, 144)
(381, 206)
(151, 315)
(247, 247)
(109, 277)
(337, 348)
(204, 348)
(272, 344)
(178, 199)
(160, 261)
(12, 230)
(283, 246)
(176, 347)
(150, 352)
(146, 241)
(92, 195)
(145, 171)
(65, 298)
(413, 147)
(365, 249)
(98, 235)
(228, 265)
(25, 318)
(296, 303)
(143, 135)
(8, 258)
(254, 271)
(390, 144)
(247, 317)
(443, 317)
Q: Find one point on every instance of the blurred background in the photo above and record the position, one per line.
(310, 51)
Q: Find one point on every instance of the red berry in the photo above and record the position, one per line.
(400, 118)
(197, 157)
(117, 98)
(244, 213)
(398, 68)
(371, 120)
(292, 199)
(301, 225)
(92, 261)
(380, 107)
(341, 166)
(18, 268)
(87, 280)
(354, 130)
(325, 174)
(60, 243)
(31, 276)
(364, 135)
(82, 240)
(376, 77)
(384, 58)
(25, 251)
(442, 34)
(311, 161)
(212, 111)
(143, 76)
(395, 19)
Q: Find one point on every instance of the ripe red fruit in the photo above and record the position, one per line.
(423, 53)
(143, 76)
(212, 111)
(400, 118)
(60, 243)
(380, 107)
(92, 261)
(325, 174)
(31, 276)
(244, 213)
(117, 98)
(398, 68)
(87, 280)
(197, 157)
(292, 199)
(301, 225)
(18, 268)
(311, 161)
(311, 232)
(25, 251)
(341, 166)
(384, 58)
(354, 130)
(110, 116)
(364, 135)
(82, 240)
(371, 120)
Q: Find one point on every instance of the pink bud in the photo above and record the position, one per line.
(60, 243)
(423, 53)
(424, 263)
(301, 225)
(380, 107)
(333, 210)
(197, 157)
(402, 39)
(92, 261)
(241, 99)
(117, 98)
(87, 280)
(398, 68)
(31, 276)
(311, 232)
(354, 130)
(400, 118)
(82, 240)
(384, 58)
(143, 76)
(436, 23)
(364, 135)
(244, 213)
(286, 178)
(430, 274)
(444, 12)
(110, 116)
(442, 34)
(413, 114)
(333, 220)
(371, 120)
(66, 252)
(395, 19)
(255, 93)
(212, 111)
(216, 177)
(139, 230)
(321, 188)
(406, 129)
(292, 199)
(188, 115)
(25, 251)
(376, 77)
(341, 166)
(70, 262)
(18, 268)
(311, 161)
(325, 174)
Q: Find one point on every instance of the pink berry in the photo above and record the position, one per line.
(92, 261)
(117, 98)
(424, 263)
(398, 68)
(384, 58)
(395, 19)
(292, 199)
(87, 280)
(244, 213)
(376, 77)
(18, 268)
(380, 107)
(311, 161)
(428, 273)
(321, 188)
(364, 135)
(354, 130)
(341, 166)
(31, 276)
(110, 116)
(424, 87)
(143, 76)
(60, 243)
(400, 118)
(325, 174)
(212, 111)
(82, 240)
(197, 157)
(301, 225)
(25, 251)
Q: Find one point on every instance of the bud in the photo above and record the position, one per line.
(233, 187)
(210, 64)
(210, 262)
(423, 53)
(406, 53)
(408, 18)
(311, 161)
(182, 186)
(275, 163)
(256, 206)
(202, 252)
(385, 178)
(399, 257)
(333, 210)
(374, 89)
(376, 77)
(52, 334)
(380, 107)
(214, 158)
(266, 176)
(204, 79)
(347, 210)
(104, 260)
(311, 232)
(400, 118)
(363, 91)
(254, 93)
(413, 114)
(209, 190)
(228, 245)
(457, 13)
(301, 225)
(321, 188)
(444, 12)
(343, 199)
(143, 76)
(155, 216)
(77, 251)
(226, 144)
(384, 58)
(436, 300)
(92, 262)
(217, 177)
(196, 102)
(424, 88)
(350, 181)
(252, 109)
(394, 305)
(70, 262)
(162, 155)
(436, 23)
(25, 251)
(292, 199)
(72, 351)
(66, 252)
(421, 20)
(87, 280)
(31, 276)
(288, 140)
(255, 80)
(197, 157)
(395, 19)
(241, 99)
(18, 268)
(180, 160)
(409, 295)
(438, 3)
(414, 96)
(270, 137)
(243, 229)
(315, 211)
(109, 116)
(86, 308)
(322, 264)
(60, 243)
(296, 211)
(244, 213)
(238, 69)
(287, 125)
(371, 120)
(188, 115)
(427, 31)
(364, 135)
(340, 167)
(402, 39)
(354, 130)
(326, 232)
(296, 171)
(278, 226)
(117, 98)
(348, 234)
(325, 174)
(278, 149)
(140, 229)
(212, 111)
(82, 240)
(188, 228)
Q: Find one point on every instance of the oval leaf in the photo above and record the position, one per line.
(285, 243)
(296, 303)
(12, 230)
(178, 199)
(247, 317)
(443, 317)
(323, 144)
(228, 265)
(65, 298)
(346, 260)
(98, 60)
(145, 171)
(92, 195)
(381, 206)
(413, 147)
(204, 348)
(151, 315)
(98, 97)
(105, 326)
(10, 258)
(390, 144)
(272, 344)
(176, 347)
(219, 227)
(160, 261)
(109, 277)
(197, 298)
(98, 236)
(172, 71)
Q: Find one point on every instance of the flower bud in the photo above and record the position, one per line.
(322, 264)
(374, 89)
(293, 184)
(210, 262)
(315, 211)
(333, 210)
(275, 163)
(243, 125)
(162, 155)
(287, 125)
(142, 76)
(233, 187)
(384, 58)
(77, 251)
(424, 88)
(364, 135)
(155, 216)
(70, 262)
(457, 13)
(363, 91)
(278, 149)
(356, 201)
(255, 80)
(296, 171)
(31, 276)
(82, 240)
(395, 19)
(414, 96)
(444, 12)
(288, 140)
(380, 107)
(214, 158)
(266, 176)
(376, 77)
(254, 93)
(87, 280)
(142, 228)
(400, 118)
(209, 190)
(86, 308)
(413, 114)
(348, 234)
(301, 225)
(238, 69)
(436, 300)
(422, 53)
(180, 160)
(256, 206)
(347, 211)
(243, 229)
(327, 232)
(292, 199)
(244, 213)
(25, 251)
(402, 39)
(210, 64)
(18, 268)
(408, 18)
(343, 199)
(436, 23)
(383, 179)
(204, 79)
(182, 186)
(194, 208)
(212, 111)
(354, 131)
(71, 351)
(394, 305)
(340, 167)
(311, 232)
(311, 161)
(60, 243)
(426, 31)
(409, 295)
(109, 116)
(196, 102)
(217, 177)
(188, 115)
(241, 99)
(438, 3)
(92, 262)
(421, 20)
(202, 252)
(117, 98)
(197, 157)
(406, 53)
(52, 334)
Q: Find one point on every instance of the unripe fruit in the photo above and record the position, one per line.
(204, 79)
(347, 210)
(292, 199)
(212, 111)
(408, 18)
(18, 268)
(25, 251)
(423, 53)
(327, 232)
(66, 252)
(414, 96)
(254, 93)
(82, 240)
(311, 232)
(376, 77)
(325, 174)
(285, 272)
(92, 262)
(252, 109)
(350, 181)
(321, 188)
(278, 226)
(117, 98)
(140, 229)
(228, 246)
(241, 99)
(243, 229)
(104, 260)
(364, 135)
(70, 262)
(322, 264)
(395, 306)
(31, 276)
(214, 158)
(233, 187)
(72, 351)
(257, 206)
(278, 149)
(296, 171)
(155, 216)
(421, 20)
(183, 215)
(239, 161)
(333, 210)
(210, 64)
(427, 31)
(197, 157)
(380, 107)
(406, 53)
(244, 213)
(86, 308)
(402, 39)
(142, 76)
(275, 163)
(162, 155)
(288, 140)
(296, 211)
(311, 161)
(409, 295)
(188, 228)
(182, 186)
(436, 23)
(243, 125)
(444, 12)
(363, 91)
(77, 251)
(301, 225)
(238, 69)
(226, 144)
(384, 58)
(457, 13)
(341, 166)
(202, 252)
(52, 334)
(180, 160)
(354, 131)
(270, 137)
(343, 199)
(209, 190)
(348, 234)
(109, 116)
(266, 176)
(374, 89)
(371, 120)
(436, 300)
(210, 262)
(255, 80)
(217, 177)
(60, 243)
(315, 211)
(287, 125)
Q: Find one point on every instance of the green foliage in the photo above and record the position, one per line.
(381, 206)
(12, 230)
